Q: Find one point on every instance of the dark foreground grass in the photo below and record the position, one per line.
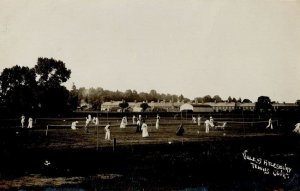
(72, 160)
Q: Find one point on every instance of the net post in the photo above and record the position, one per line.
(114, 144)
(47, 131)
(97, 137)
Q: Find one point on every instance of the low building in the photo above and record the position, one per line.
(164, 106)
(113, 106)
(285, 107)
(222, 106)
(201, 107)
(137, 108)
(245, 106)
(110, 106)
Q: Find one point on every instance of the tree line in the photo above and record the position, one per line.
(39, 90)
(96, 96)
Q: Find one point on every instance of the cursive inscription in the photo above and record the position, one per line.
(267, 167)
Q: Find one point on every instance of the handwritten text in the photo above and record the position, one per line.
(267, 167)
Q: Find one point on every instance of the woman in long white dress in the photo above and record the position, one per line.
(30, 123)
(207, 126)
(157, 121)
(133, 120)
(145, 130)
(211, 122)
(123, 123)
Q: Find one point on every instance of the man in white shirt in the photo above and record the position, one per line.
(107, 131)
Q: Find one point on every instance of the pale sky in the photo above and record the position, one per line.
(238, 48)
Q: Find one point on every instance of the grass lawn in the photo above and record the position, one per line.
(162, 161)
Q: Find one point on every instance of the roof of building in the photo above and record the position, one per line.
(284, 105)
(221, 104)
(247, 105)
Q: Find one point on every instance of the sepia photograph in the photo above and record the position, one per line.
(142, 95)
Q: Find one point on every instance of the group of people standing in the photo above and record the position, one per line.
(88, 121)
(94, 120)
(196, 120)
(141, 125)
(30, 122)
(208, 123)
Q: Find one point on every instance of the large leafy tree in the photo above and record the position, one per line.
(39, 89)
(51, 73)
(53, 97)
(73, 98)
(247, 101)
(207, 98)
(123, 105)
(199, 99)
(263, 104)
(95, 98)
(15, 77)
(153, 95)
(144, 106)
(53, 101)
(217, 98)
(18, 89)
(181, 97)
(128, 95)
